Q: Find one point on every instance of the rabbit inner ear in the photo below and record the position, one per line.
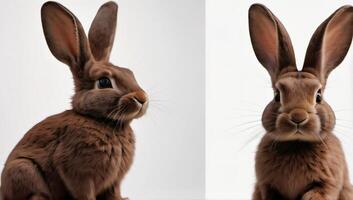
(65, 36)
(270, 41)
(102, 32)
(330, 43)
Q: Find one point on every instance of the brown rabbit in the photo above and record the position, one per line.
(299, 157)
(85, 152)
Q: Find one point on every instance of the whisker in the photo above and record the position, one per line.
(340, 119)
(342, 110)
(119, 119)
(275, 142)
(248, 122)
(157, 100)
(342, 132)
(108, 117)
(249, 141)
(245, 116)
(322, 141)
(252, 123)
(152, 117)
(157, 107)
(247, 129)
(246, 110)
(344, 126)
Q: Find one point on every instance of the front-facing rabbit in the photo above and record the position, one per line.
(82, 153)
(299, 157)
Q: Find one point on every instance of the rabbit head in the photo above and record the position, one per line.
(298, 110)
(102, 90)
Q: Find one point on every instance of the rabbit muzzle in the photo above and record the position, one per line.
(133, 105)
(298, 124)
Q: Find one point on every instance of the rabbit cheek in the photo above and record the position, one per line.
(284, 127)
(130, 108)
(326, 118)
(269, 117)
(98, 103)
(312, 127)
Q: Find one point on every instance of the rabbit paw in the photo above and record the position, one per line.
(312, 195)
(36, 197)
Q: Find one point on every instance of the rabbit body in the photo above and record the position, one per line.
(74, 154)
(288, 170)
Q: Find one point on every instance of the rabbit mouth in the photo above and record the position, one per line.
(127, 111)
(311, 136)
(141, 111)
(308, 130)
(131, 106)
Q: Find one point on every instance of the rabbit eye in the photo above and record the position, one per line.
(104, 82)
(277, 96)
(318, 97)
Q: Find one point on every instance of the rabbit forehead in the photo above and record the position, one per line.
(302, 80)
(99, 69)
(298, 88)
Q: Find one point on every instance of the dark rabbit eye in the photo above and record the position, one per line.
(104, 82)
(318, 97)
(277, 96)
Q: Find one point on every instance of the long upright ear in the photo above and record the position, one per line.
(330, 43)
(102, 32)
(270, 41)
(65, 36)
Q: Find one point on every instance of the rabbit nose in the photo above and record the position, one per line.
(298, 116)
(140, 97)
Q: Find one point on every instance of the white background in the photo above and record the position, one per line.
(162, 42)
(238, 88)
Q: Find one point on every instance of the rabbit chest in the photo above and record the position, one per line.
(97, 152)
(292, 168)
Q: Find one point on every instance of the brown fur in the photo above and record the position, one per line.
(299, 157)
(85, 152)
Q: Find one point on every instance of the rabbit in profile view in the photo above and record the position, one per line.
(299, 157)
(82, 153)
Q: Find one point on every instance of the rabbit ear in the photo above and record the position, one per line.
(270, 41)
(65, 36)
(330, 43)
(102, 31)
